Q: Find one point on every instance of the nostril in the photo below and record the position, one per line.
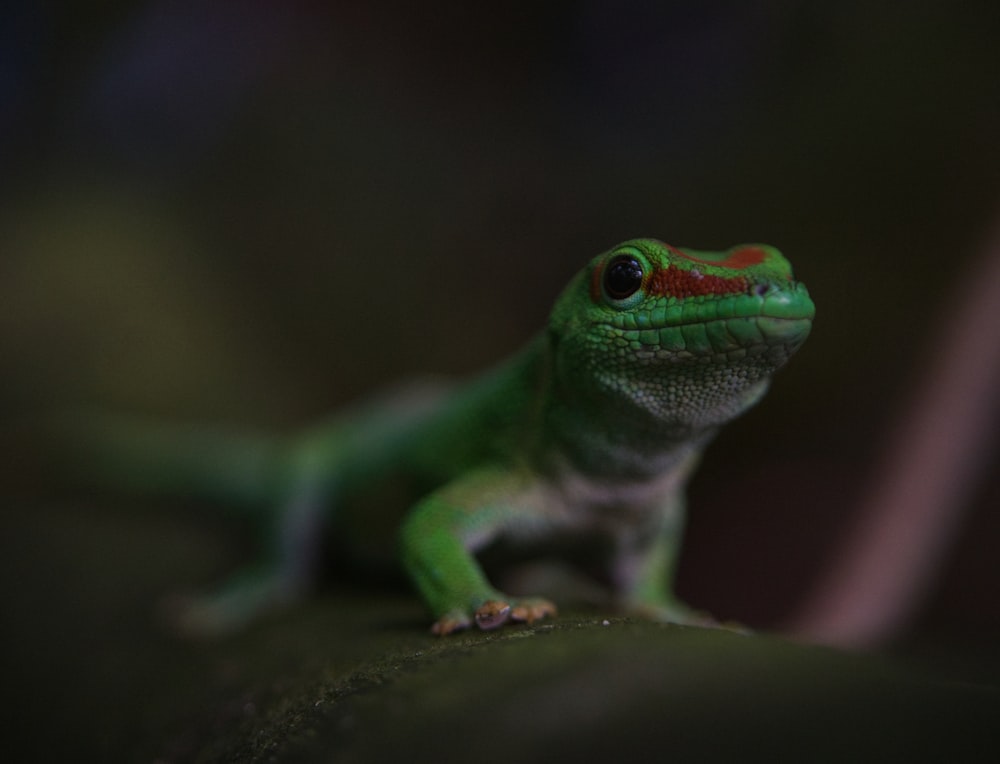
(760, 290)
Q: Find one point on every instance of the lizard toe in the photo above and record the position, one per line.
(450, 623)
(533, 609)
(492, 614)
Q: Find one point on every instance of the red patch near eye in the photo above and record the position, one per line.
(677, 282)
(743, 257)
(595, 283)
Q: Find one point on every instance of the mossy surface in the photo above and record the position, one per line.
(353, 675)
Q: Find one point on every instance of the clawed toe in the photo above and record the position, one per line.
(529, 611)
(493, 614)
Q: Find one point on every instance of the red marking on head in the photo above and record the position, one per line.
(679, 282)
(595, 283)
(743, 257)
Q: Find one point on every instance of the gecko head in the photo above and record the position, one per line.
(685, 335)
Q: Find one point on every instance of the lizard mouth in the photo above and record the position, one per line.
(728, 326)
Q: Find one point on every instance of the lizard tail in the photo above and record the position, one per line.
(155, 458)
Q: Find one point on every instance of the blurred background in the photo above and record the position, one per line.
(257, 212)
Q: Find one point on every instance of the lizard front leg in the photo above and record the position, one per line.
(644, 571)
(441, 534)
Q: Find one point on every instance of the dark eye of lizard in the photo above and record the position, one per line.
(622, 277)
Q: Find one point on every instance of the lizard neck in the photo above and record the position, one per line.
(605, 435)
(589, 444)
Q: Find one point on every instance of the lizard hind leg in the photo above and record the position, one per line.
(285, 575)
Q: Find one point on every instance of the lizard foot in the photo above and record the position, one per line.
(678, 613)
(229, 609)
(673, 612)
(531, 610)
(450, 623)
(493, 614)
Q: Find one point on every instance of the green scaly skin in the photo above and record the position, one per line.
(589, 433)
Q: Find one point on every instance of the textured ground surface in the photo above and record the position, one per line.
(353, 675)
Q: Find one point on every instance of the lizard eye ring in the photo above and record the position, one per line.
(622, 277)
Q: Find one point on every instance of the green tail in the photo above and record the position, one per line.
(253, 475)
(148, 457)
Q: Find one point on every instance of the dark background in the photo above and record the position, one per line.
(257, 212)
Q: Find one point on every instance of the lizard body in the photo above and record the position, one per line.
(589, 433)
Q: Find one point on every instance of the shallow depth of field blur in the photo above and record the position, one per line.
(258, 212)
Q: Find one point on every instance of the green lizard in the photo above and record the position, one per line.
(585, 438)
